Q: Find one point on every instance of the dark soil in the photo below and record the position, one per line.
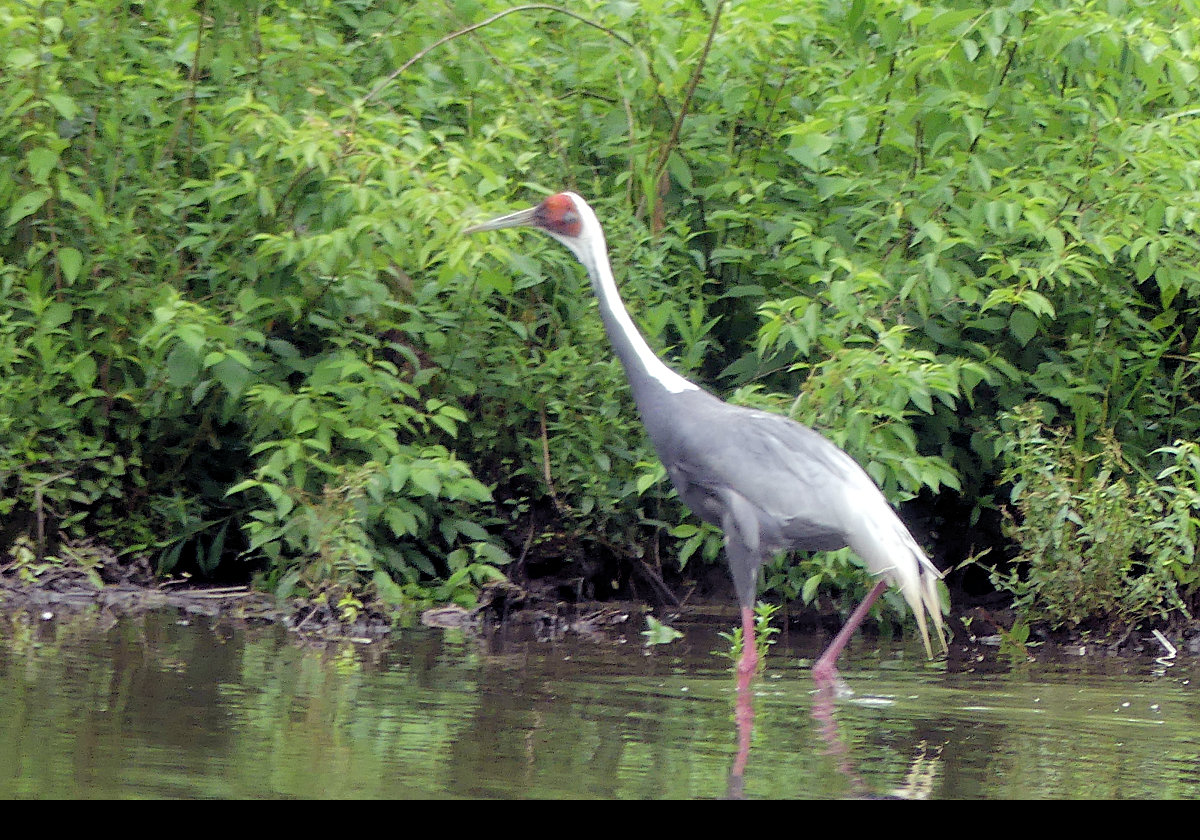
(551, 600)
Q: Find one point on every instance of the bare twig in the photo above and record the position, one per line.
(39, 510)
(673, 140)
(657, 582)
(526, 8)
(546, 460)
(528, 543)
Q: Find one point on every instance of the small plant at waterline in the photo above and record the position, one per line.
(764, 635)
(657, 633)
(1100, 540)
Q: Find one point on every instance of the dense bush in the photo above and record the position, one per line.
(241, 329)
(1101, 547)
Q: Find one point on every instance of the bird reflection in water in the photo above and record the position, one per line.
(919, 780)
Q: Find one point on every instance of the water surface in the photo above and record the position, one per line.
(163, 705)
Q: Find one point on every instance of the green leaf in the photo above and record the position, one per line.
(426, 480)
(645, 481)
(807, 148)
(84, 370)
(974, 125)
(401, 522)
(233, 376)
(20, 59)
(1024, 326)
(809, 593)
(183, 366)
(242, 486)
(40, 163)
(56, 315)
(69, 263)
(387, 589)
(65, 105)
(658, 633)
(26, 205)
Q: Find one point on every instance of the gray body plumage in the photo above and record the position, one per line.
(773, 485)
(763, 479)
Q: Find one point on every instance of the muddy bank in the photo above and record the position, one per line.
(545, 609)
(502, 608)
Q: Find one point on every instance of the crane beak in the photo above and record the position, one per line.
(518, 219)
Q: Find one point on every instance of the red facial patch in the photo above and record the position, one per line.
(558, 214)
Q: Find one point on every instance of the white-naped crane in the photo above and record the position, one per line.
(768, 482)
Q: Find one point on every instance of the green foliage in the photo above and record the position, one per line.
(23, 561)
(658, 633)
(1015, 644)
(764, 636)
(242, 331)
(1098, 543)
(901, 222)
(211, 349)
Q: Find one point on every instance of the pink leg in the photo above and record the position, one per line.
(744, 714)
(748, 664)
(825, 669)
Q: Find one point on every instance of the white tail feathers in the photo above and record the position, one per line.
(890, 552)
(928, 601)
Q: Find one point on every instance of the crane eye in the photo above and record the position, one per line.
(566, 223)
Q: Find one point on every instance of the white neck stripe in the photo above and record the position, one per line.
(595, 260)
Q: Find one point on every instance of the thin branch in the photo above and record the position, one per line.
(657, 582)
(673, 140)
(526, 8)
(632, 123)
(546, 461)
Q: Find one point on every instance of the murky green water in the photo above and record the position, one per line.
(152, 707)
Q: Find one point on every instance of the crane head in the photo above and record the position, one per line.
(557, 215)
(565, 216)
